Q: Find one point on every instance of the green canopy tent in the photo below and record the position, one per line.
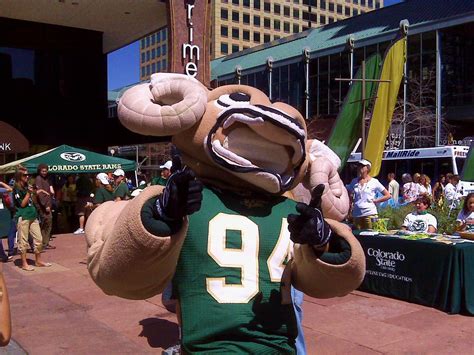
(70, 160)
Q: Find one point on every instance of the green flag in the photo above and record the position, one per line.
(348, 125)
(468, 169)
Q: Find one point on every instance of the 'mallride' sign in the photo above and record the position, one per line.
(189, 41)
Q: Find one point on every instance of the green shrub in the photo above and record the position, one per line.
(446, 219)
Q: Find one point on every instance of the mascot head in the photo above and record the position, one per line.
(232, 136)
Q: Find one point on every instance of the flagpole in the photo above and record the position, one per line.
(404, 24)
(363, 111)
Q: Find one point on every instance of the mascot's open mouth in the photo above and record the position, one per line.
(258, 139)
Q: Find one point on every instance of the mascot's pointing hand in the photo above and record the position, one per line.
(182, 195)
(309, 227)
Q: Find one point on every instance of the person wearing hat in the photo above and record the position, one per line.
(165, 174)
(104, 191)
(121, 191)
(363, 190)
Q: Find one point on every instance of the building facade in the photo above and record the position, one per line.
(440, 62)
(241, 24)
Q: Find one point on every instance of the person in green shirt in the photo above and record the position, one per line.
(121, 191)
(27, 218)
(103, 192)
(164, 175)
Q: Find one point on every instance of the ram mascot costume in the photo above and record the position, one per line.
(239, 223)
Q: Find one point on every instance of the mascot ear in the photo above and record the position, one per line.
(170, 104)
(323, 170)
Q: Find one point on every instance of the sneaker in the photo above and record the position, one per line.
(79, 231)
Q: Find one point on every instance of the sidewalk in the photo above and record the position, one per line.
(59, 310)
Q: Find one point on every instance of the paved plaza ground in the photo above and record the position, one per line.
(59, 310)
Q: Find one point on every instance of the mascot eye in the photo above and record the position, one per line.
(236, 98)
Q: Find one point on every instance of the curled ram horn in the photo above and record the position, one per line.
(323, 170)
(170, 103)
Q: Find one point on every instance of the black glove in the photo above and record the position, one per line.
(309, 227)
(182, 195)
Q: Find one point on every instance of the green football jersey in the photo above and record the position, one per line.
(228, 276)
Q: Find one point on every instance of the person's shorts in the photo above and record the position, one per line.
(81, 205)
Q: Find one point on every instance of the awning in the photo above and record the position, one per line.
(70, 160)
(12, 140)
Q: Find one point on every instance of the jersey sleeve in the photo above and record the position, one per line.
(432, 221)
(124, 259)
(323, 279)
(406, 221)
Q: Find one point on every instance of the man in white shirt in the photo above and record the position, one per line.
(451, 191)
(393, 187)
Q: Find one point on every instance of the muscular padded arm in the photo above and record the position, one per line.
(124, 259)
(336, 272)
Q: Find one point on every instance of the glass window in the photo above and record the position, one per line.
(224, 31)
(296, 28)
(246, 35)
(224, 48)
(148, 41)
(153, 53)
(362, 2)
(276, 25)
(296, 13)
(235, 33)
(246, 3)
(266, 38)
(371, 3)
(142, 43)
(158, 66)
(266, 6)
(277, 9)
(266, 22)
(143, 57)
(256, 21)
(323, 5)
(339, 9)
(158, 51)
(158, 36)
(153, 67)
(164, 65)
(246, 19)
(322, 19)
(256, 4)
(143, 71)
(224, 14)
(355, 12)
(164, 35)
(235, 48)
(147, 56)
(235, 2)
(286, 11)
(256, 37)
(153, 40)
(163, 49)
(286, 27)
(235, 16)
(148, 69)
(347, 11)
(331, 7)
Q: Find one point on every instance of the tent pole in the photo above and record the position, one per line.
(136, 166)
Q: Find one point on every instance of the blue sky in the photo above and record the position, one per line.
(124, 66)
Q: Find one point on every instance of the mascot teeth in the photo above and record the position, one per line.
(238, 117)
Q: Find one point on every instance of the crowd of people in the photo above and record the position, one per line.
(37, 203)
(367, 192)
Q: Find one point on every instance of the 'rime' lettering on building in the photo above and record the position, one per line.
(189, 48)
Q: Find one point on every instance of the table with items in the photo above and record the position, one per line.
(431, 270)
